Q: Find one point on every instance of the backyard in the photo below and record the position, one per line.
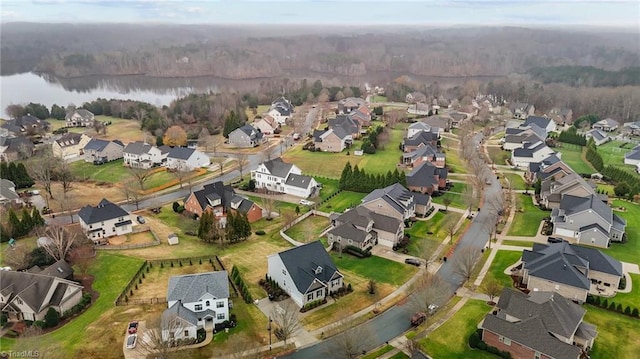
(308, 229)
(617, 334)
(342, 201)
(527, 217)
(119, 129)
(629, 251)
(516, 181)
(502, 260)
(498, 155)
(572, 155)
(455, 194)
(451, 339)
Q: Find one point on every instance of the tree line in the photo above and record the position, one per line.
(572, 136)
(357, 180)
(16, 173)
(587, 76)
(237, 227)
(15, 227)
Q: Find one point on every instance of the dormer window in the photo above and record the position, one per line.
(318, 270)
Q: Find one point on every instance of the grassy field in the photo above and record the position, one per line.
(120, 129)
(508, 242)
(613, 152)
(379, 352)
(309, 229)
(344, 200)
(630, 299)
(378, 98)
(617, 334)
(572, 155)
(502, 260)
(516, 181)
(527, 218)
(498, 155)
(451, 339)
(454, 162)
(112, 172)
(629, 251)
(260, 110)
(331, 164)
(456, 194)
(380, 269)
(606, 188)
(329, 187)
(435, 227)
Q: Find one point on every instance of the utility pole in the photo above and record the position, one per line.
(269, 329)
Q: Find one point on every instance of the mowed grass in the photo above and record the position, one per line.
(508, 242)
(329, 187)
(112, 172)
(380, 269)
(516, 181)
(308, 229)
(120, 129)
(631, 299)
(501, 261)
(498, 155)
(617, 334)
(156, 280)
(572, 156)
(427, 235)
(613, 152)
(342, 201)
(450, 340)
(527, 218)
(455, 194)
(629, 251)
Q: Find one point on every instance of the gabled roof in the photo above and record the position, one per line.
(609, 122)
(425, 175)
(250, 131)
(181, 153)
(278, 168)
(32, 288)
(426, 150)
(542, 122)
(177, 310)
(104, 211)
(396, 195)
(530, 150)
(85, 114)
(138, 148)
(190, 288)
(596, 134)
(96, 144)
(420, 138)
(437, 121)
(573, 204)
(216, 190)
(360, 216)
(420, 126)
(60, 269)
(349, 231)
(69, 139)
(300, 181)
(307, 263)
(15, 144)
(633, 154)
(345, 122)
(7, 190)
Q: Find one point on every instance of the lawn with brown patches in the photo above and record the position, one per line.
(309, 229)
(132, 238)
(156, 281)
(80, 195)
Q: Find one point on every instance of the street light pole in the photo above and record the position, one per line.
(269, 329)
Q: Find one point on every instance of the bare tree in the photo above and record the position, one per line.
(220, 162)
(160, 335)
(61, 241)
(446, 201)
(212, 143)
(67, 205)
(180, 172)
(132, 192)
(469, 198)
(412, 346)
(82, 256)
(268, 204)
(242, 160)
(451, 228)
(65, 176)
(140, 114)
(430, 289)
(492, 288)
(285, 317)
(464, 260)
(349, 344)
(43, 169)
(141, 175)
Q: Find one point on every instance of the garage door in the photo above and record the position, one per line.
(564, 232)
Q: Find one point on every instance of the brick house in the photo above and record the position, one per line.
(219, 199)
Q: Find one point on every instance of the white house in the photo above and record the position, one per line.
(307, 273)
(266, 125)
(186, 159)
(104, 220)
(195, 301)
(608, 125)
(141, 155)
(418, 127)
(278, 176)
(598, 136)
(632, 157)
(531, 153)
(545, 123)
(79, 118)
(281, 110)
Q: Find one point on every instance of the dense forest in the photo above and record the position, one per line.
(242, 53)
(586, 76)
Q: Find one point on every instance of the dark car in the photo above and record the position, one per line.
(418, 318)
(133, 327)
(412, 261)
(140, 219)
(555, 240)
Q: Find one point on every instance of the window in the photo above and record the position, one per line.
(207, 303)
(309, 296)
(537, 355)
(319, 293)
(284, 271)
(220, 316)
(507, 341)
(198, 307)
(557, 287)
(186, 333)
(219, 304)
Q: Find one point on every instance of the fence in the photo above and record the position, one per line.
(233, 285)
(298, 220)
(155, 242)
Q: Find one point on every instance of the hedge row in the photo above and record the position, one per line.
(612, 306)
(242, 287)
(476, 342)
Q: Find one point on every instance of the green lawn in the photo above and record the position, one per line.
(379, 352)
(178, 221)
(606, 188)
(629, 251)
(342, 201)
(453, 160)
(456, 194)
(435, 227)
(502, 260)
(498, 155)
(517, 182)
(629, 299)
(527, 218)
(451, 339)
(112, 172)
(617, 334)
(379, 269)
(518, 243)
(572, 156)
(399, 355)
(329, 187)
(309, 229)
(159, 178)
(613, 153)
(378, 98)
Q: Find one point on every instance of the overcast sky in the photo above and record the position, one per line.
(622, 13)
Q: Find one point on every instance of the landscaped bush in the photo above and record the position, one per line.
(475, 341)
(3, 319)
(360, 253)
(314, 304)
(52, 318)
(260, 232)
(242, 287)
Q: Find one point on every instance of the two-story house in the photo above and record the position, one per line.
(102, 151)
(332, 140)
(423, 154)
(246, 137)
(427, 178)
(70, 145)
(553, 189)
(393, 201)
(186, 159)
(219, 199)
(545, 123)
(281, 177)
(420, 139)
(589, 220)
(104, 220)
(197, 301)
(79, 118)
(521, 110)
(364, 228)
(517, 137)
(26, 125)
(266, 125)
(608, 125)
(348, 124)
(281, 110)
(15, 148)
(531, 152)
(142, 155)
(307, 273)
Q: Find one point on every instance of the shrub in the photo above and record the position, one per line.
(627, 310)
(176, 206)
(260, 232)
(482, 345)
(596, 301)
(3, 319)
(634, 312)
(474, 339)
(612, 306)
(605, 303)
(52, 318)
(40, 323)
(619, 308)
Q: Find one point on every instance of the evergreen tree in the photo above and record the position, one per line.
(36, 218)
(204, 227)
(23, 179)
(15, 226)
(390, 178)
(345, 177)
(356, 179)
(231, 123)
(26, 223)
(402, 178)
(245, 226)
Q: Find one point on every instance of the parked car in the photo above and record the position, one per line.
(131, 341)
(418, 318)
(133, 327)
(432, 308)
(555, 240)
(412, 261)
(304, 202)
(140, 219)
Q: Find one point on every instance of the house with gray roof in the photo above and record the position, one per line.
(198, 301)
(422, 154)
(364, 228)
(26, 125)
(28, 296)
(599, 137)
(427, 178)
(418, 127)
(633, 157)
(281, 110)
(79, 118)
(589, 220)
(607, 125)
(420, 139)
(571, 270)
(246, 136)
(349, 104)
(101, 151)
(281, 177)
(347, 124)
(544, 123)
(554, 188)
(8, 192)
(104, 220)
(538, 325)
(140, 154)
(219, 199)
(15, 148)
(393, 201)
(521, 110)
(307, 273)
(441, 122)
(531, 152)
(70, 145)
(334, 139)
(518, 137)
(186, 159)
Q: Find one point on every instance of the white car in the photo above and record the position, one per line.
(131, 341)
(304, 202)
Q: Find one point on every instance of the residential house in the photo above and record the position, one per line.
(545, 123)
(15, 148)
(79, 118)
(550, 167)
(186, 159)
(422, 202)
(195, 301)
(420, 139)
(332, 140)
(538, 325)
(418, 127)
(394, 201)
(632, 157)
(415, 97)
(59, 269)
(101, 151)
(246, 137)
(531, 152)
(349, 125)
(278, 176)
(8, 193)
(426, 153)
(307, 273)
(219, 199)
(141, 155)
(362, 115)
(281, 110)
(364, 228)
(571, 270)
(599, 137)
(632, 128)
(562, 116)
(607, 125)
(29, 296)
(521, 110)
(70, 145)
(104, 220)
(517, 137)
(25, 126)
(457, 118)
(349, 104)
(589, 220)
(266, 125)
(441, 122)
(427, 178)
(554, 188)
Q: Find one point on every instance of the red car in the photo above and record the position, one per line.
(418, 318)
(133, 327)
